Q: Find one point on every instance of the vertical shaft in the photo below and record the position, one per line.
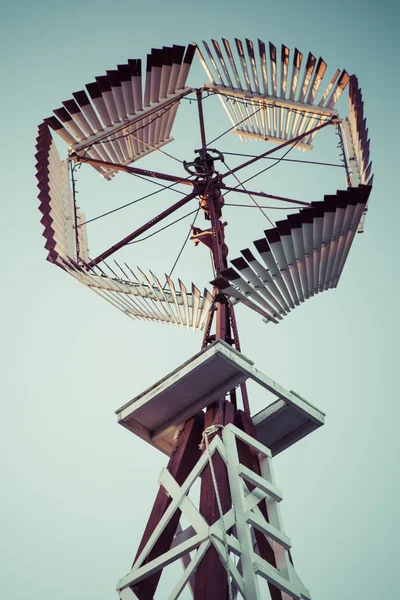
(211, 582)
(183, 459)
(201, 119)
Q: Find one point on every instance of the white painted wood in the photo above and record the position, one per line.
(260, 482)
(263, 568)
(190, 409)
(185, 504)
(250, 581)
(275, 519)
(189, 571)
(250, 441)
(237, 578)
(217, 533)
(179, 500)
(186, 558)
(201, 380)
(244, 515)
(262, 525)
(138, 574)
(127, 594)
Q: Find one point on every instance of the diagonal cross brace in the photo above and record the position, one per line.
(245, 516)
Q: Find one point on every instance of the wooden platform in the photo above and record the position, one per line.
(157, 414)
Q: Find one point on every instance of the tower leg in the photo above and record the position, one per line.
(211, 582)
(249, 458)
(185, 455)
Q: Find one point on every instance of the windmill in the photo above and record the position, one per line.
(230, 537)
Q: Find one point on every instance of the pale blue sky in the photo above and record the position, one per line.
(76, 487)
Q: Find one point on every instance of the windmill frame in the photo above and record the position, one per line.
(205, 431)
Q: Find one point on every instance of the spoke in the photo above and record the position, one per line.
(165, 227)
(264, 195)
(184, 243)
(277, 161)
(294, 160)
(155, 148)
(162, 185)
(145, 227)
(110, 212)
(289, 142)
(251, 206)
(199, 97)
(131, 170)
(249, 194)
(237, 124)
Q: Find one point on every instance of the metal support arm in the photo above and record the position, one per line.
(292, 141)
(144, 228)
(131, 170)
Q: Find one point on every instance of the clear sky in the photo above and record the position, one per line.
(76, 488)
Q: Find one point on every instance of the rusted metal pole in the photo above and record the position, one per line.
(131, 170)
(292, 141)
(183, 459)
(264, 195)
(143, 228)
(211, 580)
(201, 119)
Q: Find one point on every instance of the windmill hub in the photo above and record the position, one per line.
(204, 164)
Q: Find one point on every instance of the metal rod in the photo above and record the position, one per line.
(199, 97)
(130, 170)
(264, 195)
(236, 125)
(255, 206)
(292, 141)
(243, 387)
(76, 226)
(294, 160)
(144, 227)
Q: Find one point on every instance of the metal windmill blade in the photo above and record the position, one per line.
(126, 114)
(357, 142)
(304, 254)
(66, 242)
(140, 298)
(274, 98)
(300, 257)
(60, 217)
